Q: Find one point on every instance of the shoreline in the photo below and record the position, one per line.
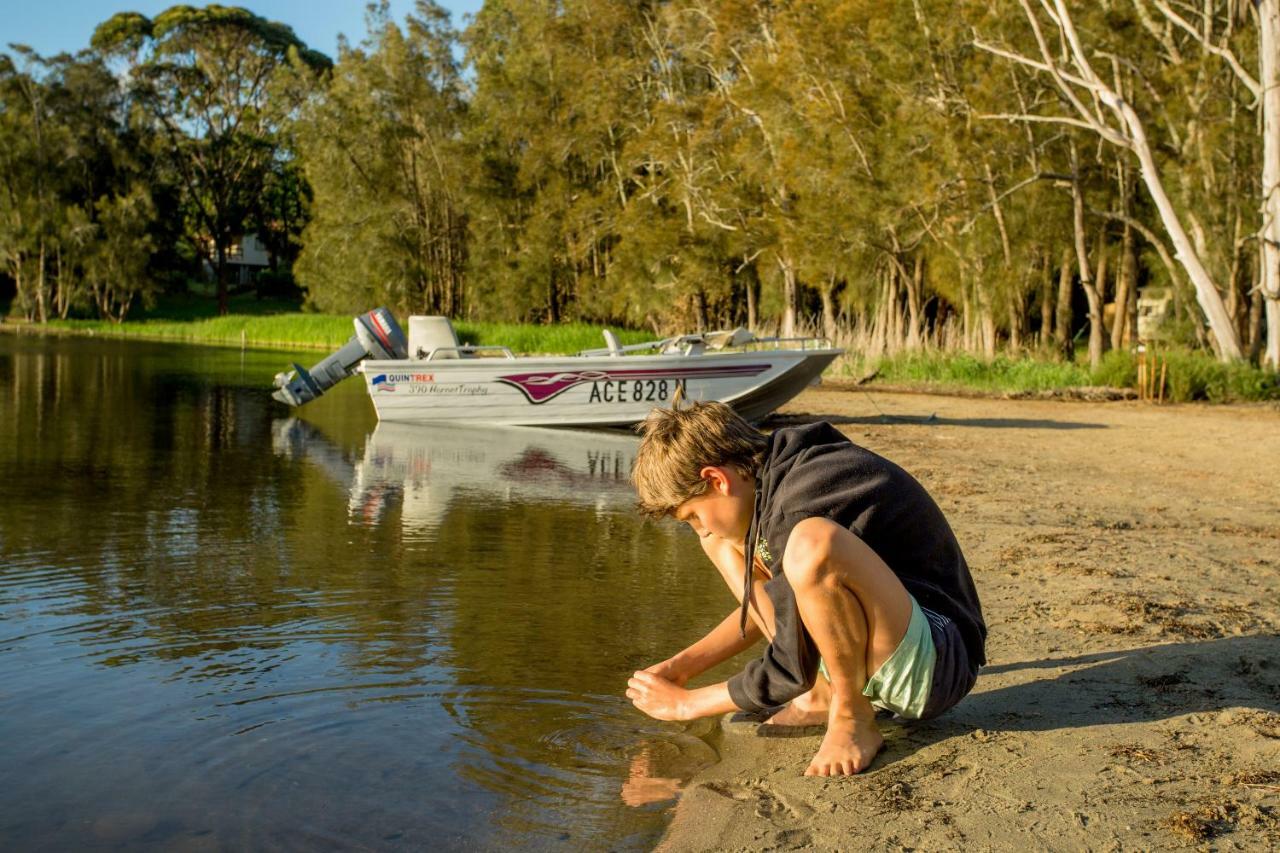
(1086, 393)
(1131, 700)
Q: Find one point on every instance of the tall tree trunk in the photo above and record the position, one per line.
(788, 296)
(878, 325)
(829, 309)
(1015, 322)
(553, 296)
(1046, 301)
(893, 322)
(42, 312)
(1207, 295)
(986, 324)
(1257, 334)
(1087, 282)
(752, 281)
(1237, 289)
(915, 287)
(17, 286)
(1125, 283)
(1101, 265)
(1062, 318)
(1269, 52)
(62, 301)
(968, 327)
(221, 272)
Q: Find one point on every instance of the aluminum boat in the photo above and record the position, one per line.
(429, 377)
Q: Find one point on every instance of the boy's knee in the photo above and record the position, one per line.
(807, 559)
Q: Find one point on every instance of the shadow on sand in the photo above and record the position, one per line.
(933, 420)
(1102, 688)
(1140, 685)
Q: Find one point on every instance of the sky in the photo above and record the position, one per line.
(54, 26)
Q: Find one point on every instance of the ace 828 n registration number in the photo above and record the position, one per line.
(634, 390)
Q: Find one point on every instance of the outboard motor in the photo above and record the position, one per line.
(377, 336)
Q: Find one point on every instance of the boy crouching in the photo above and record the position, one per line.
(855, 574)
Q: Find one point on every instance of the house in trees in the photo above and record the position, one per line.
(245, 258)
(1156, 312)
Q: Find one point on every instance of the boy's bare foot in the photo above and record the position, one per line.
(847, 748)
(809, 709)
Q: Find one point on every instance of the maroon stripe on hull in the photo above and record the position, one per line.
(542, 386)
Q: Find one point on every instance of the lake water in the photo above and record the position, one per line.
(227, 625)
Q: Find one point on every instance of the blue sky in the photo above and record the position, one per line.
(53, 26)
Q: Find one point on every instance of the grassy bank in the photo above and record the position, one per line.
(258, 323)
(264, 323)
(1190, 375)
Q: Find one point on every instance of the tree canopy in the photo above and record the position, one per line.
(940, 174)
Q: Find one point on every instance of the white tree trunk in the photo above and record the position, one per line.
(1269, 50)
(1206, 291)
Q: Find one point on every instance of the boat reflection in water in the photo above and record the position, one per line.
(421, 468)
(549, 504)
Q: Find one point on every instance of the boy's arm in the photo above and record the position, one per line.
(720, 644)
(663, 700)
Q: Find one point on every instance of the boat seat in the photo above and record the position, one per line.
(431, 333)
(730, 338)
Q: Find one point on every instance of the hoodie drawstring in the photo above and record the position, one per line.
(753, 534)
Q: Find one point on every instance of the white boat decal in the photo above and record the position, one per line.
(543, 386)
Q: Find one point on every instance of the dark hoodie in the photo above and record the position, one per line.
(814, 471)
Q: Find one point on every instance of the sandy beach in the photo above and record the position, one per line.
(1128, 559)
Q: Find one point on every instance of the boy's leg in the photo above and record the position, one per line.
(857, 612)
(807, 710)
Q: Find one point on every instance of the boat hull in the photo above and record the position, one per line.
(585, 391)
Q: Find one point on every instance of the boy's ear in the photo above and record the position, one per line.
(718, 478)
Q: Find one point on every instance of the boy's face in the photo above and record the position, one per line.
(724, 510)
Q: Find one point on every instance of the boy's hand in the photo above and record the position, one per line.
(668, 670)
(658, 697)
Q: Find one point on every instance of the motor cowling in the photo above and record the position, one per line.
(377, 336)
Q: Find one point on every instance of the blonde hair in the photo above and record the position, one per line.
(677, 443)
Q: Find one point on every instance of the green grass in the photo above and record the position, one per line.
(268, 323)
(528, 338)
(969, 371)
(293, 329)
(1191, 375)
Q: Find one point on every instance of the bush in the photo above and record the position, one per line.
(1119, 369)
(1199, 376)
(1191, 374)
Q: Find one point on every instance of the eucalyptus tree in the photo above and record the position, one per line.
(381, 150)
(687, 229)
(1096, 101)
(1232, 37)
(73, 186)
(553, 105)
(204, 75)
(30, 138)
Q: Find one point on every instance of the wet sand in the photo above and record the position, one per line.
(1128, 559)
